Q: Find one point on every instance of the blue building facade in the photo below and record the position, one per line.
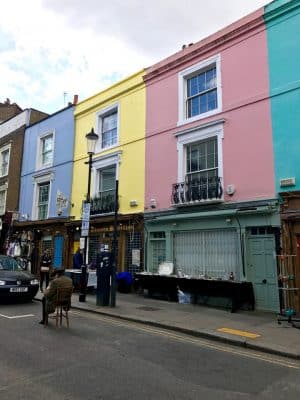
(46, 179)
(282, 18)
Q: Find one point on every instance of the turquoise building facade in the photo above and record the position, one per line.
(282, 18)
(283, 32)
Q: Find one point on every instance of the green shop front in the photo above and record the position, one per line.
(238, 243)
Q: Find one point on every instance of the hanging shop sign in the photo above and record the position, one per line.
(61, 202)
(85, 223)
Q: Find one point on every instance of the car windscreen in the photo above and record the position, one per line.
(9, 264)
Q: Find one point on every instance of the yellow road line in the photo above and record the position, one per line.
(239, 333)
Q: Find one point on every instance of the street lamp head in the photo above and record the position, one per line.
(91, 139)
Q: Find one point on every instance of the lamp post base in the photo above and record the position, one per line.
(82, 297)
(83, 282)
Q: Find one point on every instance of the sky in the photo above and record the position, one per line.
(51, 50)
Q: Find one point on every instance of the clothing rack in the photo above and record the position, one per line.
(287, 290)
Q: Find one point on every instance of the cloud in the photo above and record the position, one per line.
(153, 27)
(78, 47)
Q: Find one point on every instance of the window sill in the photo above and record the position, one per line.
(44, 166)
(101, 149)
(198, 117)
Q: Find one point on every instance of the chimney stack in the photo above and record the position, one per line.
(75, 99)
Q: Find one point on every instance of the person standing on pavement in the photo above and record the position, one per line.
(45, 267)
(60, 281)
(78, 259)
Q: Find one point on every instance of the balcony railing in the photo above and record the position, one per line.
(103, 203)
(202, 190)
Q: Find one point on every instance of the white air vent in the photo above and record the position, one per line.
(287, 182)
(133, 203)
(230, 189)
(153, 203)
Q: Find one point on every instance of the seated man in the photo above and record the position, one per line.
(49, 299)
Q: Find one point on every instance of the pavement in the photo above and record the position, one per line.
(255, 330)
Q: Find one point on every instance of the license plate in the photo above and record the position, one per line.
(18, 289)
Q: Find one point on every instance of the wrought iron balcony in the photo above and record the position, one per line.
(201, 190)
(103, 203)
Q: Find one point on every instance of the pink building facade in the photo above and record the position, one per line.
(210, 202)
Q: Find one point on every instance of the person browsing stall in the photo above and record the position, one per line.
(78, 259)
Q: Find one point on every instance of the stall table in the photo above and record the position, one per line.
(239, 293)
(75, 275)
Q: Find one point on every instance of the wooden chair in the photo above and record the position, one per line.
(63, 304)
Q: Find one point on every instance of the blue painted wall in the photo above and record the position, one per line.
(282, 19)
(62, 123)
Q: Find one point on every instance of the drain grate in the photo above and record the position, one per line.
(146, 308)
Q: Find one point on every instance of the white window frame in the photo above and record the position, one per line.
(2, 150)
(37, 181)
(101, 163)
(99, 118)
(182, 89)
(39, 163)
(3, 188)
(206, 131)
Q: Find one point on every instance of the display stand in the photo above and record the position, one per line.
(287, 290)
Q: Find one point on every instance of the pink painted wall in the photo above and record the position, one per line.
(247, 143)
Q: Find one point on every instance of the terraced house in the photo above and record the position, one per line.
(210, 197)
(283, 33)
(46, 178)
(12, 132)
(117, 116)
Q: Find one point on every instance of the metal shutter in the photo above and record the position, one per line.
(214, 253)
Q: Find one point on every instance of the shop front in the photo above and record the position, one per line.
(37, 236)
(290, 251)
(237, 244)
(129, 239)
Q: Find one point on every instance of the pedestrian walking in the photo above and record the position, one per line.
(45, 268)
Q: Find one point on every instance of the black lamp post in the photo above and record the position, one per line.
(91, 140)
(114, 249)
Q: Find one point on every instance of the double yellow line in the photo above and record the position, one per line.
(192, 340)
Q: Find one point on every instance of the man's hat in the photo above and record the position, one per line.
(59, 271)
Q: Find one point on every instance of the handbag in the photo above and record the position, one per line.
(45, 269)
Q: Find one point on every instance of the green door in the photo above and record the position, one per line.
(262, 272)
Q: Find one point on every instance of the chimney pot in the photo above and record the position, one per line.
(75, 99)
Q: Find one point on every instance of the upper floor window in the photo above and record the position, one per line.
(104, 200)
(200, 165)
(200, 91)
(4, 160)
(43, 200)
(202, 160)
(107, 180)
(109, 130)
(41, 196)
(3, 192)
(107, 122)
(45, 150)
(104, 187)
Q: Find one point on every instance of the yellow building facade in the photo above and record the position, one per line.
(117, 115)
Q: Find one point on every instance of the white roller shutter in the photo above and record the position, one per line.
(214, 253)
